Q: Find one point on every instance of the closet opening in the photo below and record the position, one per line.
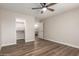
(20, 31)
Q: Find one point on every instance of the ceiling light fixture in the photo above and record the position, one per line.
(36, 25)
(44, 9)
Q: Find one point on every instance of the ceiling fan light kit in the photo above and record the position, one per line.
(44, 7)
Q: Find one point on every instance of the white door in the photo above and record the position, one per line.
(40, 31)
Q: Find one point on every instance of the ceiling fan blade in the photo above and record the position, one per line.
(50, 9)
(37, 8)
(42, 4)
(50, 4)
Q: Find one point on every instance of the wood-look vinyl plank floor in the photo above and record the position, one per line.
(39, 47)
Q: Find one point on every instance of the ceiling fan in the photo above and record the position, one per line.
(44, 7)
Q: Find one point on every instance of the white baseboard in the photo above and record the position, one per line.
(29, 40)
(63, 43)
(7, 44)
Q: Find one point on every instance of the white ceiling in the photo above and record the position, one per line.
(26, 8)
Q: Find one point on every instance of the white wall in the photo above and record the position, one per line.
(8, 27)
(0, 33)
(29, 29)
(63, 28)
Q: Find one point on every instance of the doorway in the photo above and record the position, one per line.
(39, 30)
(20, 31)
